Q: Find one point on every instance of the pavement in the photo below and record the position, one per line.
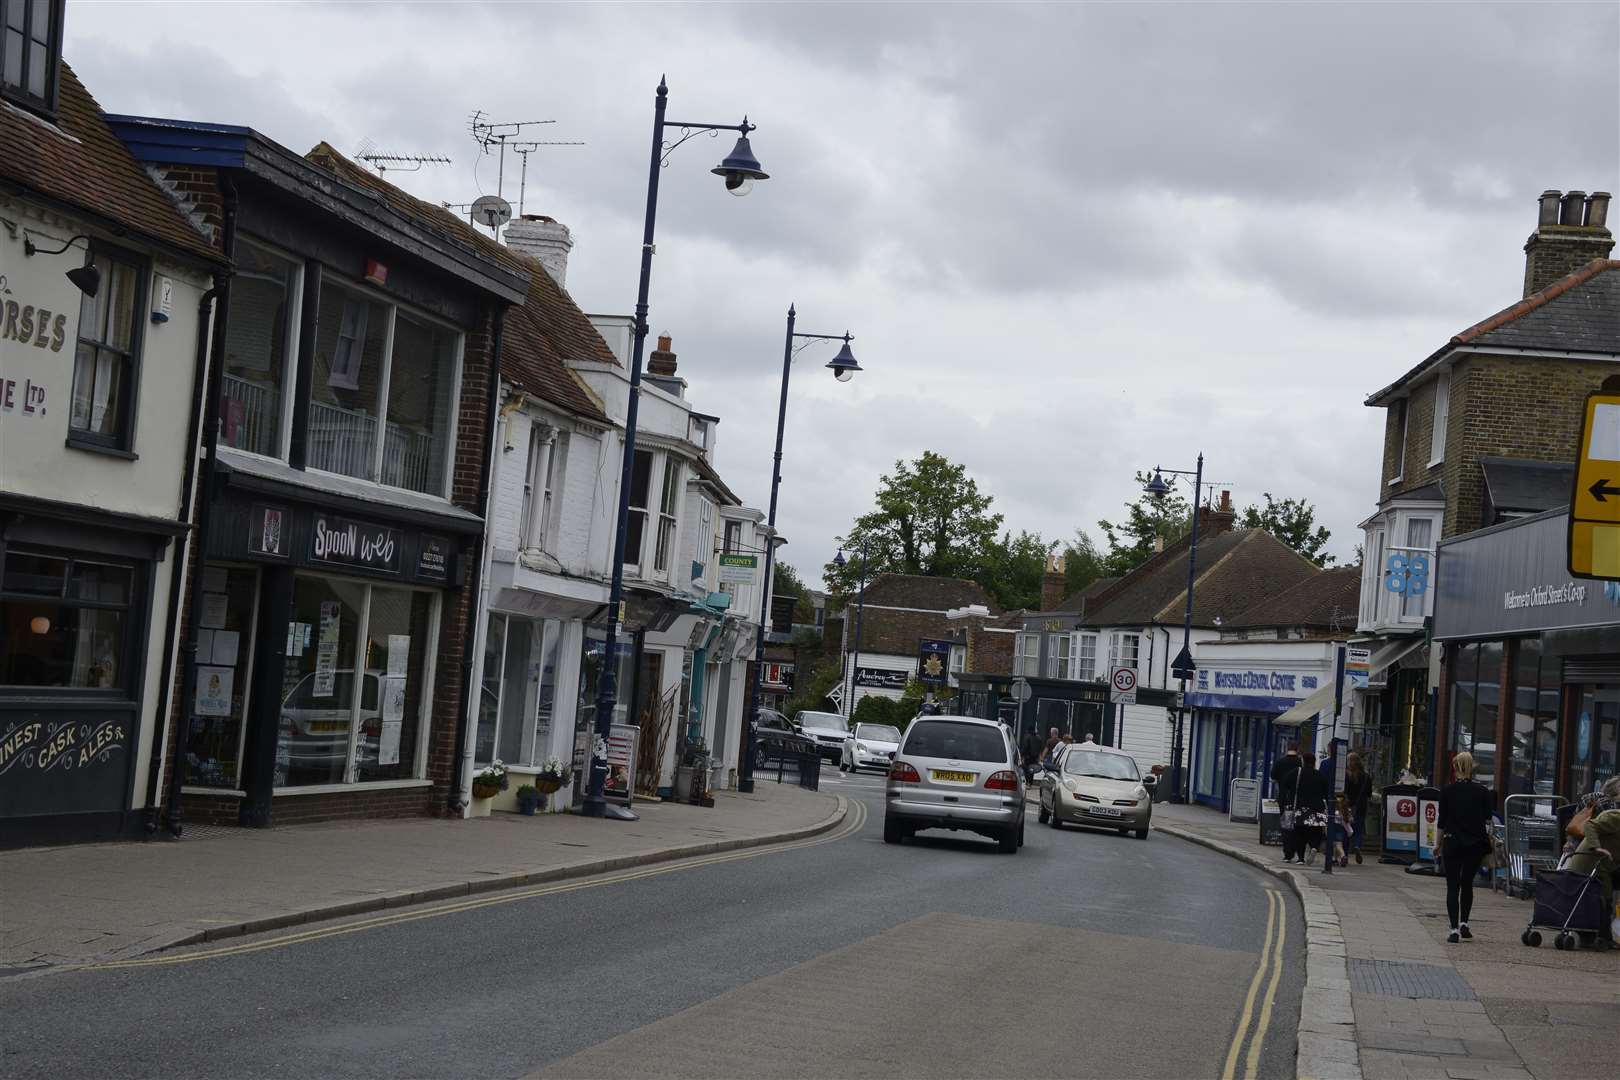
(91, 903)
(1487, 1009)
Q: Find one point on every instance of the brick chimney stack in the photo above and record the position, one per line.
(1217, 518)
(1571, 231)
(662, 361)
(1054, 585)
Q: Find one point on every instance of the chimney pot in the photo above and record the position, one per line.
(1597, 209)
(662, 360)
(664, 342)
(1571, 208)
(1549, 207)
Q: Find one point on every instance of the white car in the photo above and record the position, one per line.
(827, 730)
(870, 746)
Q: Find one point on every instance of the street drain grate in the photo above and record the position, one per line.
(1395, 979)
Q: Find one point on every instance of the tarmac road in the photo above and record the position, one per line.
(1087, 954)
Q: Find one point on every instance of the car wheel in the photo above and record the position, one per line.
(1141, 834)
(1020, 830)
(1055, 821)
(1008, 841)
(892, 832)
(842, 766)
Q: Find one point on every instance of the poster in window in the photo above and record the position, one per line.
(399, 654)
(265, 531)
(214, 607)
(326, 651)
(393, 719)
(226, 645)
(214, 686)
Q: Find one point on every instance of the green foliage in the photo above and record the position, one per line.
(1082, 563)
(785, 581)
(877, 709)
(811, 686)
(1131, 541)
(1293, 521)
(930, 520)
(1013, 569)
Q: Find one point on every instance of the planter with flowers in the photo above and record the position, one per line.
(486, 784)
(528, 799)
(553, 775)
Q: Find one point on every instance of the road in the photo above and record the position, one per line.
(1086, 954)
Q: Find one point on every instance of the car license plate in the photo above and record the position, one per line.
(1105, 811)
(951, 776)
(322, 726)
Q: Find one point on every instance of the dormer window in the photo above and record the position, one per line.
(30, 52)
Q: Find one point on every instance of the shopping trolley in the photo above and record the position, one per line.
(1531, 840)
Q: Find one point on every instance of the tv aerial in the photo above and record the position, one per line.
(488, 133)
(402, 162)
(491, 211)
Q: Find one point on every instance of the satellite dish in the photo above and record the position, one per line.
(491, 210)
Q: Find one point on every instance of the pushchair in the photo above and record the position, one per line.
(1570, 904)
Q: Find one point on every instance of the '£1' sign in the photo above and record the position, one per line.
(1407, 574)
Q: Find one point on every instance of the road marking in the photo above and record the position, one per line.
(853, 822)
(1254, 988)
(1251, 1066)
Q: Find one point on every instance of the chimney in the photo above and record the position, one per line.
(1571, 231)
(1218, 518)
(1054, 585)
(662, 361)
(544, 239)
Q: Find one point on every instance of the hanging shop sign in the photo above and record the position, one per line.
(738, 569)
(342, 541)
(433, 558)
(1357, 667)
(934, 662)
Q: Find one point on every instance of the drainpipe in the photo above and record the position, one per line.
(182, 548)
(461, 780)
(210, 432)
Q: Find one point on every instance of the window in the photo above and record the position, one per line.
(733, 538)
(956, 740)
(1442, 410)
(667, 503)
(1533, 764)
(1372, 577)
(1027, 655)
(1418, 533)
(517, 696)
(1124, 650)
(31, 51)
(258, 339)
(218, 716)
(640, 489)
(64, 620)
(958, 661)
(1398, 424)
(1085, 663)
(1475, 673)
(539, 485)
(382, 401)
(105, 364)
(1057, 660)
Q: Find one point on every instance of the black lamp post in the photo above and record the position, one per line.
(843, 367)
(1183, 667)
(860, 610)
(740, 170)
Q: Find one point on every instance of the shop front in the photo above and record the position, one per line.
(318, 654)
(1531, 667)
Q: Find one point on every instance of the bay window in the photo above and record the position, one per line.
(667, 503)
(1124, 650)
(640, 488)
(546, 446)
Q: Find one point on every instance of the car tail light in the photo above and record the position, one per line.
(902, 773)
(1005, 780)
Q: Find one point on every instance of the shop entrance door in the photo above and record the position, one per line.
(1597, 724)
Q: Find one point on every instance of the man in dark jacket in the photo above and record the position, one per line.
(1310, 798)
(1285, 774)
(1030, 751)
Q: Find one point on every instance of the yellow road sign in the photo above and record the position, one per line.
(1594, 505)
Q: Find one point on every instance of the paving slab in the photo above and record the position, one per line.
(227, 882)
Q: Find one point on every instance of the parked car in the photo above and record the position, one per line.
(958, 773)
(870, 746)
(827, 729)
(1096, 785)
(775, 736)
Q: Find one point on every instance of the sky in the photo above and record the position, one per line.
(1072, 241)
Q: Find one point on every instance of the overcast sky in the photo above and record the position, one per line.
(1071, 240)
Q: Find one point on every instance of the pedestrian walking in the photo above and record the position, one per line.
(1357, 794)
(1465, 814)
(1310, 808)
(1285, 774)
(1030, 750)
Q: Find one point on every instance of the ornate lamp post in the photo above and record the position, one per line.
(1183, 667)
(740, 171)
(843, 367)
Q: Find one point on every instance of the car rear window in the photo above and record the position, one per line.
(956, 740)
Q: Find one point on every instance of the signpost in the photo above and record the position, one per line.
(1020, 691)
(1594, 504)
(1122, 686)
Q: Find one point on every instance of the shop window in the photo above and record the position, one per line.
(218, 713)
(1053, 713)
(1027, 655)
(668, 500)
(258, 334)
(106, 363)
(518, 692)
(1057, 662)
(1475, 700)
(1597, 727)
(421, 392)
(399, 629)
(31, 51)
(1085, 664)
(1124, 650)
(1533, 767)
(640, 489)
(64, 620)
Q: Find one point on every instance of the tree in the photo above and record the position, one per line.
(1082, 563)
(1293, 521)
(1013, 570)
(1132, 542)
(930, 520)
(785, 581)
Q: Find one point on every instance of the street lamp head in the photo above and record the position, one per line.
(838, 559)
(741, 167)
(843, 366)
(1156, 487)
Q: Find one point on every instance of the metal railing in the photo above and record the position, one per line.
(805, 766)
(344, 440)
(251, 412)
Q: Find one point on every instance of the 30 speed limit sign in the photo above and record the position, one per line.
(1122, 686)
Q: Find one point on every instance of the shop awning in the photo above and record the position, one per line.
(1388, 656)
(1308, 709)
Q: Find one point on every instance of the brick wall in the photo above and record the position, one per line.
(195, 190)
(1556, 251)
(990, 652)
(1414, 470)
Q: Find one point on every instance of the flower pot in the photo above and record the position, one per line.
(485, 791)
(527, 807)
(548, 785)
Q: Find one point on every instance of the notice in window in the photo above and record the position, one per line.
(214, 686)
(326, 651)
(213, 613)
(226, 645)
(393, 719)
(399, 654)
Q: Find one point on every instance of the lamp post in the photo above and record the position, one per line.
(1183, 667)
(860, 610)
(740, 170)
(843, 367)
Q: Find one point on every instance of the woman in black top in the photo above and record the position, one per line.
(1465, 814)
(1357, 793)
(1310, 797)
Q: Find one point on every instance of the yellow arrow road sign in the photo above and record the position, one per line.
(1594, 505)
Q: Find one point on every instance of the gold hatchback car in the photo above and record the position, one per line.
(1091, 784)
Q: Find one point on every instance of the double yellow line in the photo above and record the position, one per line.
(1271, 956)
(855, 818)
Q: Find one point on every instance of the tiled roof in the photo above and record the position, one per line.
(1235, 571)
(1577, 313)
(1328, 599)
(1076, 601)
(1520, 486)
(898, 632)
(88, 168)
(541, 334)
(929, 593)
